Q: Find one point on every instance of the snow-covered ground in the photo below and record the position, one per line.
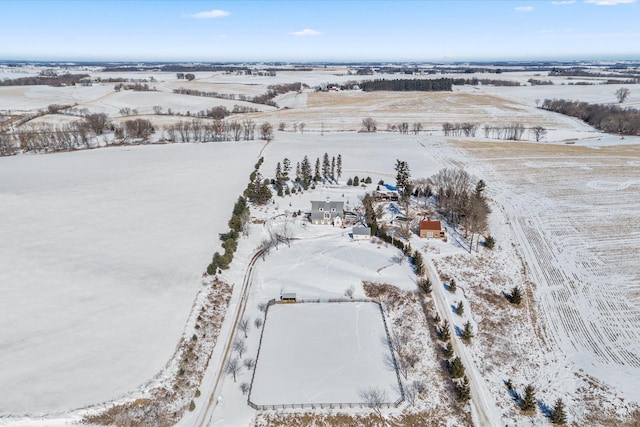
(103, 249)
(101, 254)
(319, 353)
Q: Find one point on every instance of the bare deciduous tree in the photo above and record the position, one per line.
(374, 398)
(417, 127)
(244, 387)
(232, 367)
(266, 131)
(622, 94)
(243, 325)
(239, 346)
(369, 125)
(97, 122)
(258, 322)
(538, 132)
(249, 363)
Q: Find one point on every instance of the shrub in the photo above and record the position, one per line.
(489, 242)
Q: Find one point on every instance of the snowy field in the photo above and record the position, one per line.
(101, 254)
(323, 353)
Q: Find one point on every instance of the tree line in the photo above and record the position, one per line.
(407, 85)
(266, 98)
(81, 134)
(607, 118)
(46, 80)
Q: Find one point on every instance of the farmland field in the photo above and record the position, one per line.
(102, 251)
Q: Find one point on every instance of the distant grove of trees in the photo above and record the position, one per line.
(407, 85)
(266, 98)
(46, 80)
(607, 118)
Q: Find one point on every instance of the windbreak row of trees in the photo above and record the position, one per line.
(266, 98)
(81, 134)
(407, 85)
(607, 118)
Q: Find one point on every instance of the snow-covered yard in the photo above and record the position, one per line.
(319, 353)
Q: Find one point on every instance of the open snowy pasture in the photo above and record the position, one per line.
(101, 256)
(27, 99)
(344, 111)
(323, 353)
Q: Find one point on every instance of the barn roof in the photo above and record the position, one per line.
(430, 225)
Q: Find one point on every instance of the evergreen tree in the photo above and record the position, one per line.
(558, 416)
(425, 284)
(444, 334)
(368, 180)
(456, 369)
(305, 170)
(467, 333)
(480, 186)
(356, 181)
(298, 173)
(489, 242)
(279, 175)
(326, 167)
(403, 180)
(286, 168)
(316, 175)
(528, 403)
(349, 181)
(448, 351)
(516, 296)
(452, 286)
(418, 263)
(333, 168)
(339, 166)
(463, 390)
(460, 309)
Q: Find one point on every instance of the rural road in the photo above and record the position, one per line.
(483, 408)
(206, 412)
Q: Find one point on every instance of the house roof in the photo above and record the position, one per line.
(338, 205)
(430, 225)
(362, 231)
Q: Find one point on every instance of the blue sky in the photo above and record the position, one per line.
(319, 30)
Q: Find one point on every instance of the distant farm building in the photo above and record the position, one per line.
(361, 233)
(431, 229)
(386, 195)
(288, 297)
(327, 212)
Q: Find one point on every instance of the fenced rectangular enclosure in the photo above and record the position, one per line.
(323, 354)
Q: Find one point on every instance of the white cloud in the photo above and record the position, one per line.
(306, 32)
(609, 2)
(562, 2)
(209, 14)
(524, 8)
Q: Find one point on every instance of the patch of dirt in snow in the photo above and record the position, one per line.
(163, 400)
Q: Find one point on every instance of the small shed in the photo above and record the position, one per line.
(361, 233)
(289, 297)
(431, 229)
